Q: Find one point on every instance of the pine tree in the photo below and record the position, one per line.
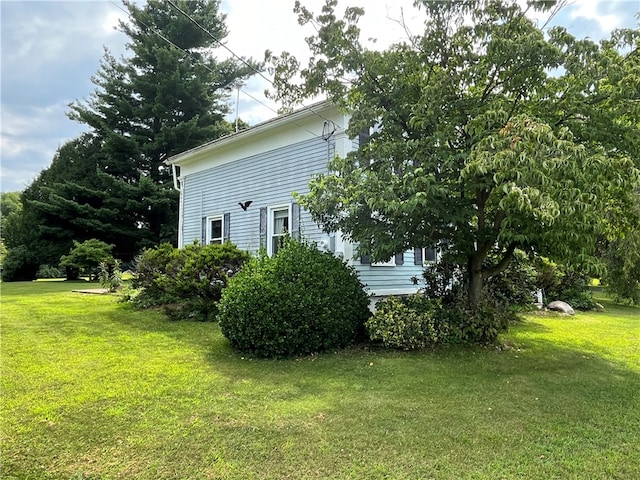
(170, 94)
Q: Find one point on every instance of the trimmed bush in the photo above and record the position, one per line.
(187, 282)
(298, 302)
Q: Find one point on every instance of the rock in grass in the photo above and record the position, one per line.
(560, 306)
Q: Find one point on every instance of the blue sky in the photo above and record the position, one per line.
(50, 50)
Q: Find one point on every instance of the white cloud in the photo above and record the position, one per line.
(593, 10)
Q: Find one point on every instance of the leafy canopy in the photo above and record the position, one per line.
(488, 133)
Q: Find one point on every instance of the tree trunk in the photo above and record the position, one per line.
(476, 284)
(73, 273)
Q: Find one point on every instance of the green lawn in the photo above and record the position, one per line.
(94, 390)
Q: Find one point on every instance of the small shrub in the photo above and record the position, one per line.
(110, 275)
(297, 302)
(187, 282)
(417, 322)
(48, 271)
(560, 282)
(478, 327)
(406, 323)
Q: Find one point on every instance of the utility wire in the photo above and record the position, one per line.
(197, 60)
(196, 23)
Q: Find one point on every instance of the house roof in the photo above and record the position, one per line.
(314, 109)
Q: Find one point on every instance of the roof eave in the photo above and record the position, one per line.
(254, 130)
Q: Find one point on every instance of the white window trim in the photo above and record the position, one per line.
(424, 255)
(389, 263)
(210, 219)
(270, 226)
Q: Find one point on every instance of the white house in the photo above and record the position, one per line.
(240, 187)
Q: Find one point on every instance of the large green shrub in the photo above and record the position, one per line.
(189, 281)
(150, 267)
(297, 302)
(19, 264)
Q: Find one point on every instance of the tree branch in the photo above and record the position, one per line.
(503, 263)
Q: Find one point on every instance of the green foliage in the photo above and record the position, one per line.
(560, 282)
(407, 323)
(297, 302)
(3, 252)
(86, 256)
(622, 257)
(48, 271)
(189, 281)
(488, 135)
(19, 265)
(110, 275)
(515, 286)
(417, 322)
(150, 268)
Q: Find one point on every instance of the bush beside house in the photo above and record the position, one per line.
(297, 302)
(187, 282)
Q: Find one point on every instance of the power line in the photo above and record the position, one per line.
(196, 23)
(186, 52)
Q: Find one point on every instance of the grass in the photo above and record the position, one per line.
(94, 390)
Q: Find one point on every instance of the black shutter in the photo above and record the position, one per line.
(226, 226)
(417, 256)
(203, 233)
(365, 260)
(399, 258)
(363, 137)
(295, 220)
(263, 227)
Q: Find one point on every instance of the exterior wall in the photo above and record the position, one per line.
(267, 179)
(266, 165)
(390, 280)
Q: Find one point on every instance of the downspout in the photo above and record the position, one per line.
(174, 172)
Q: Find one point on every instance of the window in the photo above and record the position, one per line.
(389, 263)
(430, 254)
(215, 230)
(279, 225)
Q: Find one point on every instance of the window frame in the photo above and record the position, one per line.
(389, 263)
(271, 224)
(436, 254)
(208, 238)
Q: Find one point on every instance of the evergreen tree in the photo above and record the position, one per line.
(168, 96)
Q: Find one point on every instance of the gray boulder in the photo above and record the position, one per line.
(562, 307)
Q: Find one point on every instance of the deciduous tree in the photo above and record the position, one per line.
(488, 134)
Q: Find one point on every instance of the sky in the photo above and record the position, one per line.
(50, 50)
